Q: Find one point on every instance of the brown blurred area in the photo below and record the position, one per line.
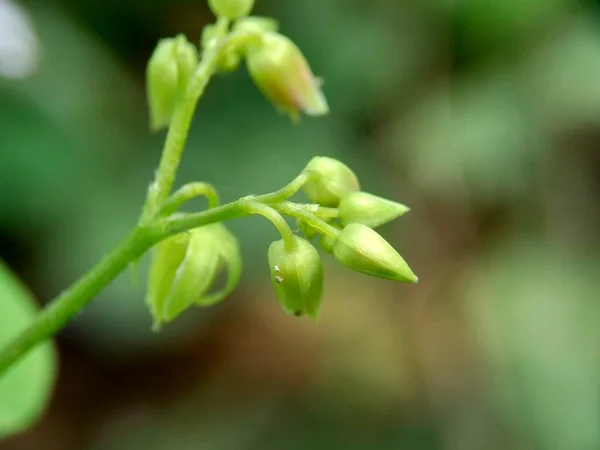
(482, 116)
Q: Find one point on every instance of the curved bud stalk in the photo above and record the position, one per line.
(185, 266)
(168, 71)
(231, 9)
(326, 241)
(362, 249)
(230, 59)
(332, 181)
(369, 209)
(281, 72)
(297, 276)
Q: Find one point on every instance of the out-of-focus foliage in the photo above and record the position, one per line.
(26, 387)
(482, 116)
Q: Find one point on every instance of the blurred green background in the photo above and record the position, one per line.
(482, 115)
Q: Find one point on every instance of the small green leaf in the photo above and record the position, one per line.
(26, 387)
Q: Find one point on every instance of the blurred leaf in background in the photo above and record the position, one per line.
(26, 387)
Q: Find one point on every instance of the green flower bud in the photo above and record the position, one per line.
(297, 276)
(332, 181)
(368, 209)
(184, 268)
(231, 9)
(362, 249)
(281, 72)
(167, 74)
(230, 260)
(307, 231)
(257, 24)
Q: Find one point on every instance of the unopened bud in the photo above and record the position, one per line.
(368, 209)
(281, 72)
(297, 275)
(167, 75)
(256, 24)
(331, 181)
(231, 9)
(183, 269)
(362, 249)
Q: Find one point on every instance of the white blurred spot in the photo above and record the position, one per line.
(19, 46)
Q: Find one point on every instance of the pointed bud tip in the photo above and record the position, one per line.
(362, 249)
(368, 209)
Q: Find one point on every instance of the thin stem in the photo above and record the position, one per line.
(70, 302)
(321, 211)
(300, 212)
(187, 193)
(180, 126)
(252, 207)
(222, 26)
(184, 111)
(287, 191)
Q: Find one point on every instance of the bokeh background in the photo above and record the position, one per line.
(482, 115)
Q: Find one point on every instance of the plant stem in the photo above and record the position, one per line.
(70, 302)
(188, 192)
(275, 218)
(180, 126)
(287, 191)
(301, 212)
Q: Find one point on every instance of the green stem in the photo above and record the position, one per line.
(300, 212)
(70, 302)
(287, 191)
(187, 193)
(253, 207)
(182, 117)
(180, 126)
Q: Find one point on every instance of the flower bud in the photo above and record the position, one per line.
(297, 276)
(368, 209)
(183, 269)
(231, 9)
(332, 180)
(307, 231)
(281, 72)
(362, 249)
(167, 74)
(256, 24)
(230, 260)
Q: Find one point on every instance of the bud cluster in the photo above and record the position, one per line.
(275, 64)
(297, 272)
(185, 266)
